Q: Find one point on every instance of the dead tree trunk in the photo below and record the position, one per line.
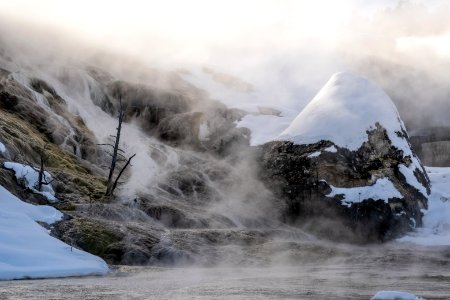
(41, 174)
(112, 184)
(42, 180)
(120, 173)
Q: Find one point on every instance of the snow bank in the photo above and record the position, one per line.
(30, 177)
(382, 189)
(436, 220)
(395, 295)
(28, 251)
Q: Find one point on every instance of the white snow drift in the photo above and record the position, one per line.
(30, 178)
(28, 251)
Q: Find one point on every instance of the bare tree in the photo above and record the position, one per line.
(42, 180)
(117, 155)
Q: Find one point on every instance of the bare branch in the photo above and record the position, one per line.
(121, 172)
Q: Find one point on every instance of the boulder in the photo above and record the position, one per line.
(345, 167)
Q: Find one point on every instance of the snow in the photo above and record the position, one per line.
(30, 177)
(314, 154)
(2, 148)
(412, 180)
(342, 112)
(28, 251)
(436, 220)
(382, 189)
(272, 126)
(331, 149)
(395, 295)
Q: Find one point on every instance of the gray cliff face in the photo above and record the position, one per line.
(304, 180)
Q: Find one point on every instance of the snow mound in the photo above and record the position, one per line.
(342, 112)
(30, 177)
(395, 295)
(28, 251)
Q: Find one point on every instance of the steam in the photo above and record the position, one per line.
(284, 50)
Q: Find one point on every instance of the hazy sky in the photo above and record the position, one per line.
(194, 27)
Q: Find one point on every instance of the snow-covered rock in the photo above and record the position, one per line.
(347, 159)
(29, 176)
(28, 251)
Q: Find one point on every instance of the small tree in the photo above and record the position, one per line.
(42, 179)
(116, 155)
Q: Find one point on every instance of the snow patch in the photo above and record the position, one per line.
(395, 295)
(2, 148)
(331, 149)
(28, 251)
(382, 189)
(30, 177)
(314, 154)
(411, 178)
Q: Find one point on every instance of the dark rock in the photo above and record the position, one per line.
(303, 181)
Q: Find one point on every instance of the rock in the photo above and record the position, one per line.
(345, 167)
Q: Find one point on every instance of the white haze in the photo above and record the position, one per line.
(287, 49)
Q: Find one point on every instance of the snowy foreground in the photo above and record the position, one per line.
(28, 251)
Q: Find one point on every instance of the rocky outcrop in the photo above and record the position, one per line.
(374, 192)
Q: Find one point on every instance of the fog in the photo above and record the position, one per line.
(279, 54)
(287, 50)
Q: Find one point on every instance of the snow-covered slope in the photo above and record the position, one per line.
(342, 112)
(28, 251)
